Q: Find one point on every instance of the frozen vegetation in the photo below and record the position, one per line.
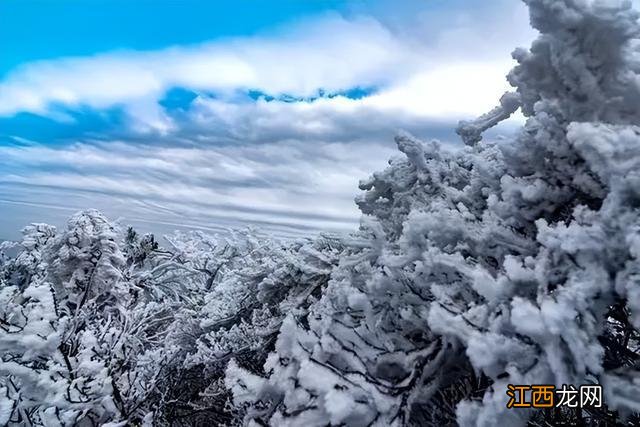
(499, 263)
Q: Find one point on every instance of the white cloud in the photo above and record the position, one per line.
(332, 53)
(419, 71)
(452, 90)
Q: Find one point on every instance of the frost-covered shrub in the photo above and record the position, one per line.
(101, 326)
(498, 263)
(55, 367)
(511, 263)
(247, 284)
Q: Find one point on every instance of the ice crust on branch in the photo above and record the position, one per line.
(471, 131)
(499, 263)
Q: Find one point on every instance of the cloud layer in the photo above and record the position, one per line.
(285, 187)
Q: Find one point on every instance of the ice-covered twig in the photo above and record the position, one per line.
(471, 131)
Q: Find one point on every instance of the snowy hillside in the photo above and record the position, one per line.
(511, 262)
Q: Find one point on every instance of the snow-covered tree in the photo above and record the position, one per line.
(247, 285)
(49, 373)
(509, 262)
(500, 263)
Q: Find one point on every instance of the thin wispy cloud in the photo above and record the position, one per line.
(211, 186)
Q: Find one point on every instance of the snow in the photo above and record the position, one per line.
(502, 262)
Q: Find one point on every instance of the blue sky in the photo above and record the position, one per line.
(209, 114)
(48, 29)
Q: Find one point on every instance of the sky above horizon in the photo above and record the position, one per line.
(207, 115)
